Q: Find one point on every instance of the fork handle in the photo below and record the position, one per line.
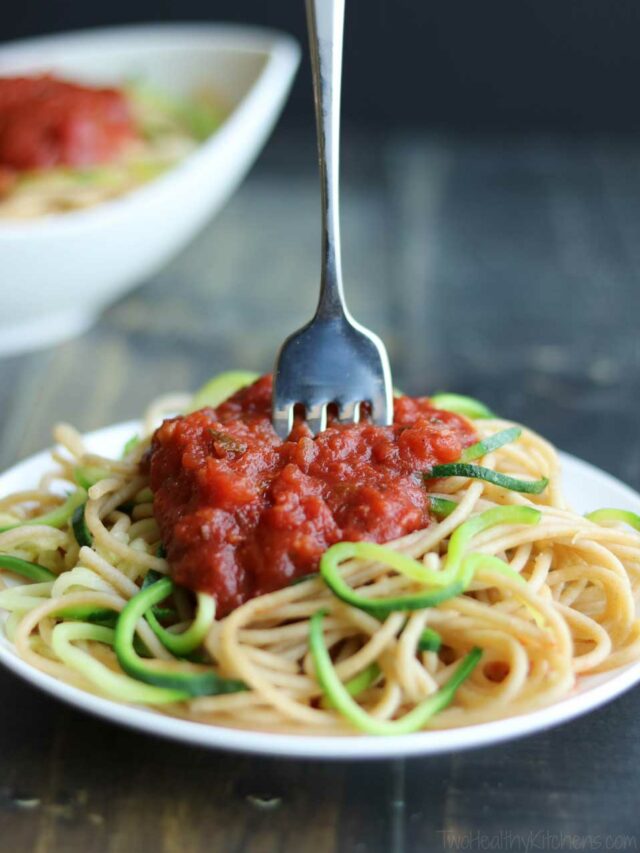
(325, 20)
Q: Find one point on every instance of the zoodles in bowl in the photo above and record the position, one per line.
(66, 146)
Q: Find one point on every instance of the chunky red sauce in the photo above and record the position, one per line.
(242, 513)
(48, 122)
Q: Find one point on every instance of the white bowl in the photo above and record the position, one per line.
(57, 272)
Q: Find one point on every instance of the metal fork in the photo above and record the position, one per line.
(333, 359)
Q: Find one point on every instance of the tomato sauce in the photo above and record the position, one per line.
(243, 513)
(45, 122)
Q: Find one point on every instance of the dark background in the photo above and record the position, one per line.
(550, 65)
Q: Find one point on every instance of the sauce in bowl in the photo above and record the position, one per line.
(46, 121)
(66, 146)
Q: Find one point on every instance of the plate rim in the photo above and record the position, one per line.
(327, 747)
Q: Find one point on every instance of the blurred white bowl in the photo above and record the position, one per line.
(57, 272)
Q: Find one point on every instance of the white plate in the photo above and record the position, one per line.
(586, 487)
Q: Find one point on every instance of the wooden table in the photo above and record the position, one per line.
(504, 268)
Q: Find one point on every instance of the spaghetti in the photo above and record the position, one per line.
(496, 608)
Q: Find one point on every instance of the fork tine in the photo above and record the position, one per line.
(316, 416)
(349, 412)
(283, 419)
(382, 410)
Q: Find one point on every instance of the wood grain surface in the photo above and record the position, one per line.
(506, 268)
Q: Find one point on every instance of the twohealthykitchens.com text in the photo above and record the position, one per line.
(529, 842)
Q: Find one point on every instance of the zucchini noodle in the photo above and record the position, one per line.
(500, 607)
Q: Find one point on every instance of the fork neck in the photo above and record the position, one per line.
(325, 19)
